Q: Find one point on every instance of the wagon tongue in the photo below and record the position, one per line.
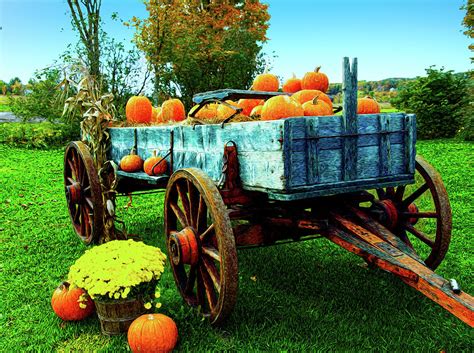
(359, 234)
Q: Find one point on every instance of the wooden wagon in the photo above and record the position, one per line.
(352, 179)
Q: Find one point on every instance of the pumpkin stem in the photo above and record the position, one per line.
(294, 76)
(317, 69)
(154, 153)
(315, 100)
(64, 285)
(133, 151)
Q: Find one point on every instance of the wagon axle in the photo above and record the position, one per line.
(73, 193)
(184, 247)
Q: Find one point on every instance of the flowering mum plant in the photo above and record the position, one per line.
(119, 269)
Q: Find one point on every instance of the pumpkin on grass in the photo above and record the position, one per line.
(155, 165)
(292, 85)
(173, 110)
(315, 80)
(367, 105)
(71, 304)
(131, 163)
(152, 333)
(266, 82)
(138, 110)
(316, 107)
(307, 95)
(279, 107)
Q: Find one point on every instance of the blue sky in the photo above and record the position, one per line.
(390, 38)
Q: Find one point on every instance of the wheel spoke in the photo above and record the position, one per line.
(211, 252)
(207, 232)
(73, 169)
(390, 192)
(89, 203)
(200, 291)
(209, 288)
(420, 235)
(87, 188)
(185, 201)
(430, 214)
(415, 195)
(380, 194)
(179, 214)
(194, 199)
(70, 181)
(77, 214)
(201, 214)
(191, 280)
(399, 193)
(211, 269)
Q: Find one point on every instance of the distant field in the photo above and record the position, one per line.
(5, 103)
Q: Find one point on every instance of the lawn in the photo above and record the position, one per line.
(310, 296)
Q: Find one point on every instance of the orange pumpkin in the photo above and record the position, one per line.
(315, 80)
(248, 104)
(292, 85)
(152, 333)
(209, 111)
(306, 95)
(131, 163)
(280, 107)
(367, 105)
(266, 82)
(316, 107)
(223, 111)
(156, 115)
(257, 111)
(160, 165)
(71, 304)
(173, 110)
(138, 110)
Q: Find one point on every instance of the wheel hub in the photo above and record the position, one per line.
(389, 213)
(183, 247)
(73, 193)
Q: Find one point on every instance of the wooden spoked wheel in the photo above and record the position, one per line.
(83, 192)
(420, 214)
(201, 245)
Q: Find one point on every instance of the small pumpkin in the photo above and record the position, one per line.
(248, 104)
(71, 304)
(209, 111)
(306, 95)
(152, 333)
(315, 80)
(367, 105)
(173, 110)
(257, 111)
(131, 163)
(266, 82)
(160, 165)
(316, 107)
(280, 107)
(138, 110)
(292, 85)
(156, 116)
(223, 111)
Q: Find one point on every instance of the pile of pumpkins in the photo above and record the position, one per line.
(147, 333)
(307, 97)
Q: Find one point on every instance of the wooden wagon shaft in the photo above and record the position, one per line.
(384, 251)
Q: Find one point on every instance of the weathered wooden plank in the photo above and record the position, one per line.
(410, 143)
(349, 119)
(384, 146)
(312, 152)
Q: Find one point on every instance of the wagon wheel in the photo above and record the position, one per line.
(83, 192)
(419, 214)
(201, 244)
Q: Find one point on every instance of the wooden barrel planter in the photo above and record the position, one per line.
(116, 316)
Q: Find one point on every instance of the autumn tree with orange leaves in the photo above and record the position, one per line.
(197, 45)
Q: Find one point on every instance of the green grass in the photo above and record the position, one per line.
(5, 103)
(310, 296)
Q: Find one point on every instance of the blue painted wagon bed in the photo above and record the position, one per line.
(352, 179)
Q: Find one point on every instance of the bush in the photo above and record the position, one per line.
(439, 101)
(38, 135)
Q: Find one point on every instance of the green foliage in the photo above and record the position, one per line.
(37, 135)
(43, 99)
(438, 100)
(303, 297)
(468, 22)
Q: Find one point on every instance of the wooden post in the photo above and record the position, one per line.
(349, 120)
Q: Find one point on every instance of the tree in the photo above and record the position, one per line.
(438, 100)
(198, 45)
(3, 87)
(468, 22)
(86, 20)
